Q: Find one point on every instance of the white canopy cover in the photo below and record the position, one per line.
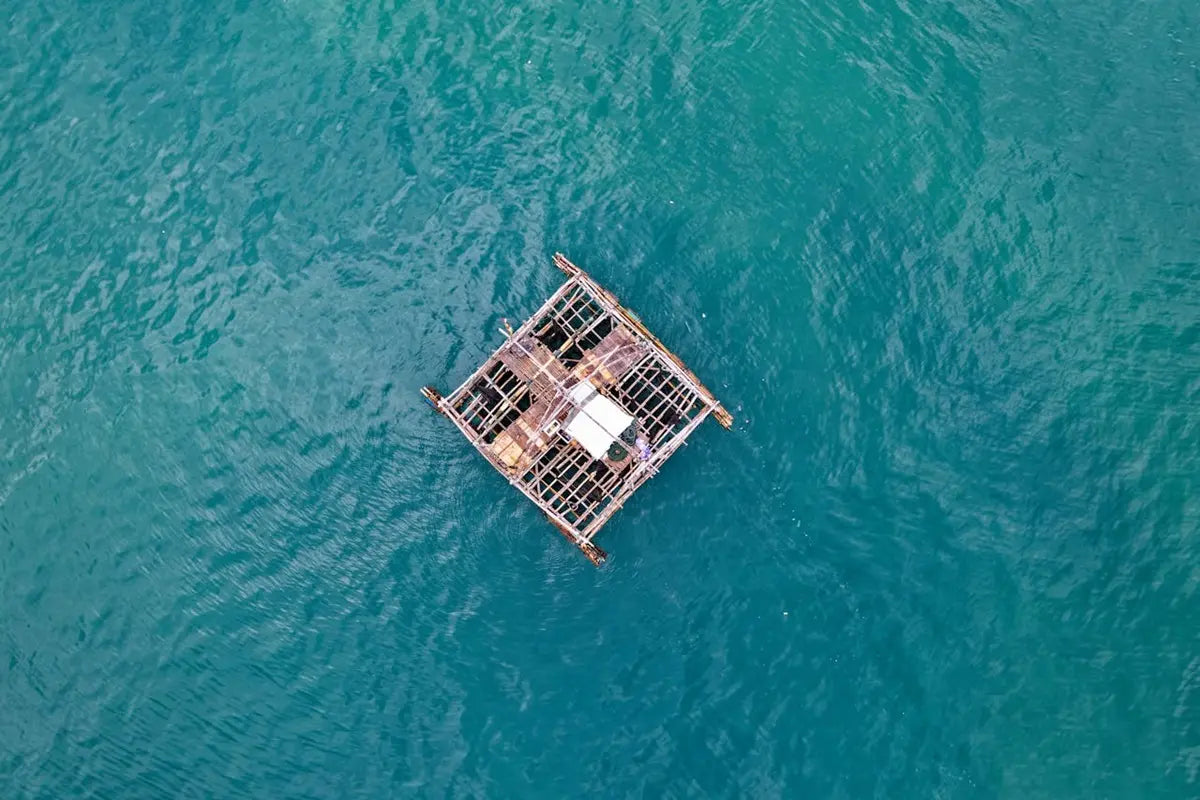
(598, 422)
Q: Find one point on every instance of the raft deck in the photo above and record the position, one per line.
(549, 408)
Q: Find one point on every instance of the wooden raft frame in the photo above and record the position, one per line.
(513, 408)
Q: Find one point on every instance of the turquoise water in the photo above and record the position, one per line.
(939, 259)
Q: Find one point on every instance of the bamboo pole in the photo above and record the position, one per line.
(642, 473)
(656, 388)
(608, 299)
(525, 328)
(594, 553)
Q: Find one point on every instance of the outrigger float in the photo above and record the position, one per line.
(579, 407)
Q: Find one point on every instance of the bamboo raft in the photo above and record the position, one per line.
(579, 407)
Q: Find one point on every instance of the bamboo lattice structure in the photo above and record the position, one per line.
(581, 353)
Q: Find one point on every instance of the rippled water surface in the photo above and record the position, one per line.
(941, 260)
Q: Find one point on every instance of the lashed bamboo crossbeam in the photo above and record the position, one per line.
(612, 358)
(669, 404)
(574, 339)
(652, 409)
(573, 493)
(640, 378)
(642, 473)
(525, 328)
(534, 362)
(645, 470)
(551, 471)
(596, 555)
(609, 301)
(573, 320)
(596, 506)
(583, 481)
(560, 492)
(568, 309)
(500, 410)
(478, 402)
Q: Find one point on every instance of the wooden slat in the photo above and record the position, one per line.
(533, 361)
(609, 361)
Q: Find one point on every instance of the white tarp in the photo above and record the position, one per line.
(581, 392)
(598, 422)
(588, 433)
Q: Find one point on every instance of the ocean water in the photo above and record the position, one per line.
(940, 259)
